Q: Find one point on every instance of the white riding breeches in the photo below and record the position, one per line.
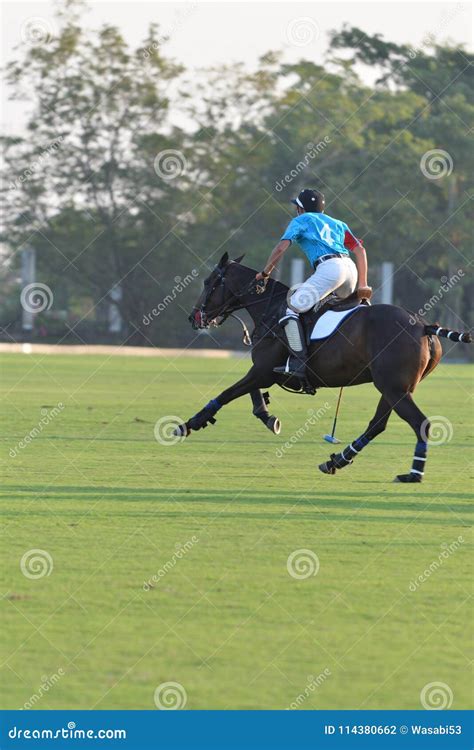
(338, 275)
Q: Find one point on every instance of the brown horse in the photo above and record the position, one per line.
(380, 344)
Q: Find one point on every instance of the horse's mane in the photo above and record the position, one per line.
(277, 287)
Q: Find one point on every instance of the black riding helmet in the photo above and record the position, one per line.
(311, 200)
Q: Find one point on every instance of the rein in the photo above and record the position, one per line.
(229, 309)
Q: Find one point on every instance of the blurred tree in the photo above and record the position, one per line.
(438, 187)
(96, 183)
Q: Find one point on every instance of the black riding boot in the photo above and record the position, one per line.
(296, 363)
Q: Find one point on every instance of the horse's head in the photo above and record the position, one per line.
(217, 299)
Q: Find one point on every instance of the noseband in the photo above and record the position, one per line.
(228, 308)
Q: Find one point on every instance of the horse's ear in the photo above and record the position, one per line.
(240, 258)
(224, 260)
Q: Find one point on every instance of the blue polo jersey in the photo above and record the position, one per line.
(319, 234)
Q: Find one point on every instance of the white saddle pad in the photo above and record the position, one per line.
(330, 322)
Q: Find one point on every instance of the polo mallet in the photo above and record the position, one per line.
(331, 438)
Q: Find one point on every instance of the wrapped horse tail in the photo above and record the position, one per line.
(435, 330)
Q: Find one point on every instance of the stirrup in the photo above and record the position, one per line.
(298, 375)
(287, 369)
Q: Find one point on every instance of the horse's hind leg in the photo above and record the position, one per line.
(406, 409)
(402, 404)
(376, 425)
(260, 402)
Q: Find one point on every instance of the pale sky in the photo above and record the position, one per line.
(210, 34)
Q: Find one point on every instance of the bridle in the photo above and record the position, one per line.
(199, 319)
(228, 308)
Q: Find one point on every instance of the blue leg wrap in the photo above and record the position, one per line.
(361, 442)
(214, 405)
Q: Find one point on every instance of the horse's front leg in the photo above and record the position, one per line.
(207, 414)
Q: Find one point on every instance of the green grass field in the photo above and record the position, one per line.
(111, 506)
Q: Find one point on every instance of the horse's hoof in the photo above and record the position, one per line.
(274, 424)
(327, 468)
(408, 478)
(182, 431)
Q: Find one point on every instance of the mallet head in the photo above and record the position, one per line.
(331, 439)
